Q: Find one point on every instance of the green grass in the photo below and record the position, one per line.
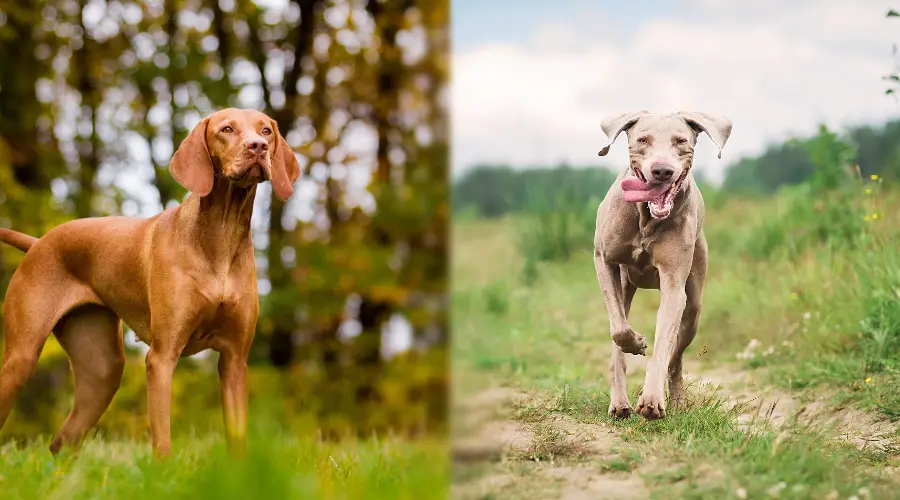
(815, 289)
(706, 437)
(276, 466)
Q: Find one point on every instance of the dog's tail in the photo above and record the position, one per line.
(19, 240)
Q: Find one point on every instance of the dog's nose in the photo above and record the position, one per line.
(258, 145)
(662, 172)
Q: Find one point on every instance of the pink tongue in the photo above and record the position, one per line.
(636, 190)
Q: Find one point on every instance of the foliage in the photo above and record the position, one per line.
(827, 210)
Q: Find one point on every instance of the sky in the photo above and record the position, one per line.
(532, 80)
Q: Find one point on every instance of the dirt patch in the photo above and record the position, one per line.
(483, 427)
(759, 404)
(492, 441)
(556, 457)
(583, 483)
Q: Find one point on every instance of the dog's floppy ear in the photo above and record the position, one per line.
(285, 167)
(615, 125)
(191, 165)
(717, 127)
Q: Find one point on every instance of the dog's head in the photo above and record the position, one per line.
(661, 150)
(242, 146)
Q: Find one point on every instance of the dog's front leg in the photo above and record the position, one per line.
(235, 398)
(609, 276)
(161, 361)
(651, 404)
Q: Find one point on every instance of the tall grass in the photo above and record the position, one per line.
(276, 466)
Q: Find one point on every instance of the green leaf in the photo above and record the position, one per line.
(893, 13)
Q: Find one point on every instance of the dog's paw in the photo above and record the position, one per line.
(651, 407)
(630, 341)
(620, 410)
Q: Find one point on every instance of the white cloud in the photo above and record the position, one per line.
(775, 69)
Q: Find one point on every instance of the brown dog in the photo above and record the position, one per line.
(183, 280)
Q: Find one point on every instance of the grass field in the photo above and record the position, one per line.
(799, 334)
(277, 466)
(295, 449)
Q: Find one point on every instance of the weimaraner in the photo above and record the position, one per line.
(184, 281)
(649, 235)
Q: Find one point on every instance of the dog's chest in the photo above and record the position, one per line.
(629, 249)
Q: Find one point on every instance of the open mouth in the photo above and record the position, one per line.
(660, 198)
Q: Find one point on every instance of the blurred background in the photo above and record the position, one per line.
(801, 222)
(95, 96)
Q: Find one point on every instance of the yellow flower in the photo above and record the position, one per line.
(866, 217)
(794, 296)
(874, 216)
(874, 177)
(868, 379)
(868, 190)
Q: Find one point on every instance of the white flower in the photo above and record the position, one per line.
(775, 490)
(740, 493)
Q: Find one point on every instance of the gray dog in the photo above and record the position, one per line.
(650, 235)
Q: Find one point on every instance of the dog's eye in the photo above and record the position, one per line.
(266, 131)
(681, 141)
(227, 130)
(643, 140)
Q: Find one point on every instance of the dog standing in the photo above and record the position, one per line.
(649, 234)
(183, 280)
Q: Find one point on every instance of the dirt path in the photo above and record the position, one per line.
(558, 457)
(501, 455)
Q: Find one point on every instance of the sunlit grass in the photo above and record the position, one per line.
(276, 466)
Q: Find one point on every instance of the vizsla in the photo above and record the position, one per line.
(183, 280)
(649, 234)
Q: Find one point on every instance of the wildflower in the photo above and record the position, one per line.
(868, 379)
(740, 493)
(874, 177)
(794, 296)
(807, 315)
(874, 216)
(775, 490)
(866, 217)
(868, 190)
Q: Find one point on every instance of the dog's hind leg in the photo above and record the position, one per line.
(690, 320)
(92, 337)
(26, 330)
(619, 406)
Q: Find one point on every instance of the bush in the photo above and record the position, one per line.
(827, 211)
(555, 228)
